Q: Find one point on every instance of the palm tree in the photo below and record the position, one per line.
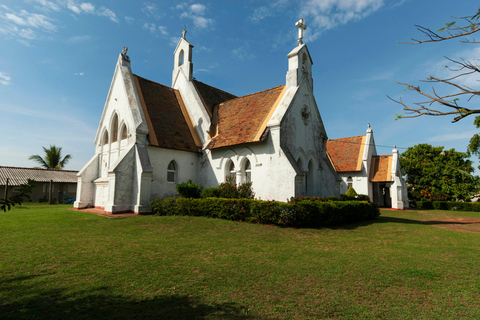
(53, 158)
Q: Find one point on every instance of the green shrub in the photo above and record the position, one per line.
(305, 213)
(189, 189)
(230, 190)
(351, 193)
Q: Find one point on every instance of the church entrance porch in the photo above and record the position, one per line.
(381, 194)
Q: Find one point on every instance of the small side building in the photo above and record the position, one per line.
(379, 176)
(64, 181)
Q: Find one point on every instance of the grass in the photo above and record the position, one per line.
(57, 263)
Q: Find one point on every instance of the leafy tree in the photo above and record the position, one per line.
(53, 158)
(437, 174)
(24, 191)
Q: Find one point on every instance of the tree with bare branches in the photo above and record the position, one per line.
(436, 104)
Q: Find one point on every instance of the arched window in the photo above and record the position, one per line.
(247, 171)
(124, 132)
(180, 58)
(231, 172)
(349, 182)
(172, 172)
(115, 128)
(105, 137)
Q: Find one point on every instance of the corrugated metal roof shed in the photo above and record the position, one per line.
(18, 176)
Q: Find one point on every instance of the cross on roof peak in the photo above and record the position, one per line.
(301, 27)
(184, 32)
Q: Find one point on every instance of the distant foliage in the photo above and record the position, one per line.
(24, 191)
(189, 189)
(351, 193)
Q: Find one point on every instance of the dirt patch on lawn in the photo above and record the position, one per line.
(464, 225)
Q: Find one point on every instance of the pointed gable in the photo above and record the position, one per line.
(346, 153)
(211, 96)
(244, 119)
(168, 121)
(381, 168)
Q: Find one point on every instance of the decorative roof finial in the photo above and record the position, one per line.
(184, 32)
(301, 27)
(394, 146)
(369, 126)
(124, 54)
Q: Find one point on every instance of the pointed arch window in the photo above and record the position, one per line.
(105, 137)
(180, 58)
(231, 172)
(115, 128)
(172, 172)
(247, 171)
(349, 182)
(124, 132)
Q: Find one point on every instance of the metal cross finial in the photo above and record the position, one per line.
(124, 54)
(301, 27)
(184, 32)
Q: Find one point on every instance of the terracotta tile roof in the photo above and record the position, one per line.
(346, 153)
(17, 176)
(166, 122)
(211, 96)
(244, 119)
(381, 168)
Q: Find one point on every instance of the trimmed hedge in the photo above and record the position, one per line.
(446, 205)
(305, 213)
(343, 197)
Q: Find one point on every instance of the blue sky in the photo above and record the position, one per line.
(58, 56)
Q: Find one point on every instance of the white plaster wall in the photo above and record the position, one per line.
(308, 141)
(272, 175)
(360, 182)
(187, 168)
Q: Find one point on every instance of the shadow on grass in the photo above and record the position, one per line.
(31, 301)
(383, 219)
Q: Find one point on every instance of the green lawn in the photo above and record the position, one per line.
(62, 264)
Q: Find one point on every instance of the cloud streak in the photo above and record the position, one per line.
(196, 13)
(4, 79)
(327, 14)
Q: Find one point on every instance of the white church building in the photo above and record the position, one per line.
(152, 137)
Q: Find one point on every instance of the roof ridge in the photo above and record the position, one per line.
(136, 75)
(347, 138)
(195, 80)
(56, 170)
(251, 94)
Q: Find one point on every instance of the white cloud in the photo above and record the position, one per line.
(197, 8)
(196, 12)
(260, 14)
(87, 7)
(24, 18)
(77, 39)
(454, 136)
(4, 79)
(107, 13)
(327, 14)
(73, 6)
(242, 54)
(49, 5)
(163, 30)
(130, 20)
(79, 74)
(150, 26)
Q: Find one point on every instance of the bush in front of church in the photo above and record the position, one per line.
(230, 190)
(302, 214)
(189, 189)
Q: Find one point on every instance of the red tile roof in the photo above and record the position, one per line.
(17, 176)
(240, 120)
(346, 153)
(211, 96)
(167, 124)
(381, 168)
